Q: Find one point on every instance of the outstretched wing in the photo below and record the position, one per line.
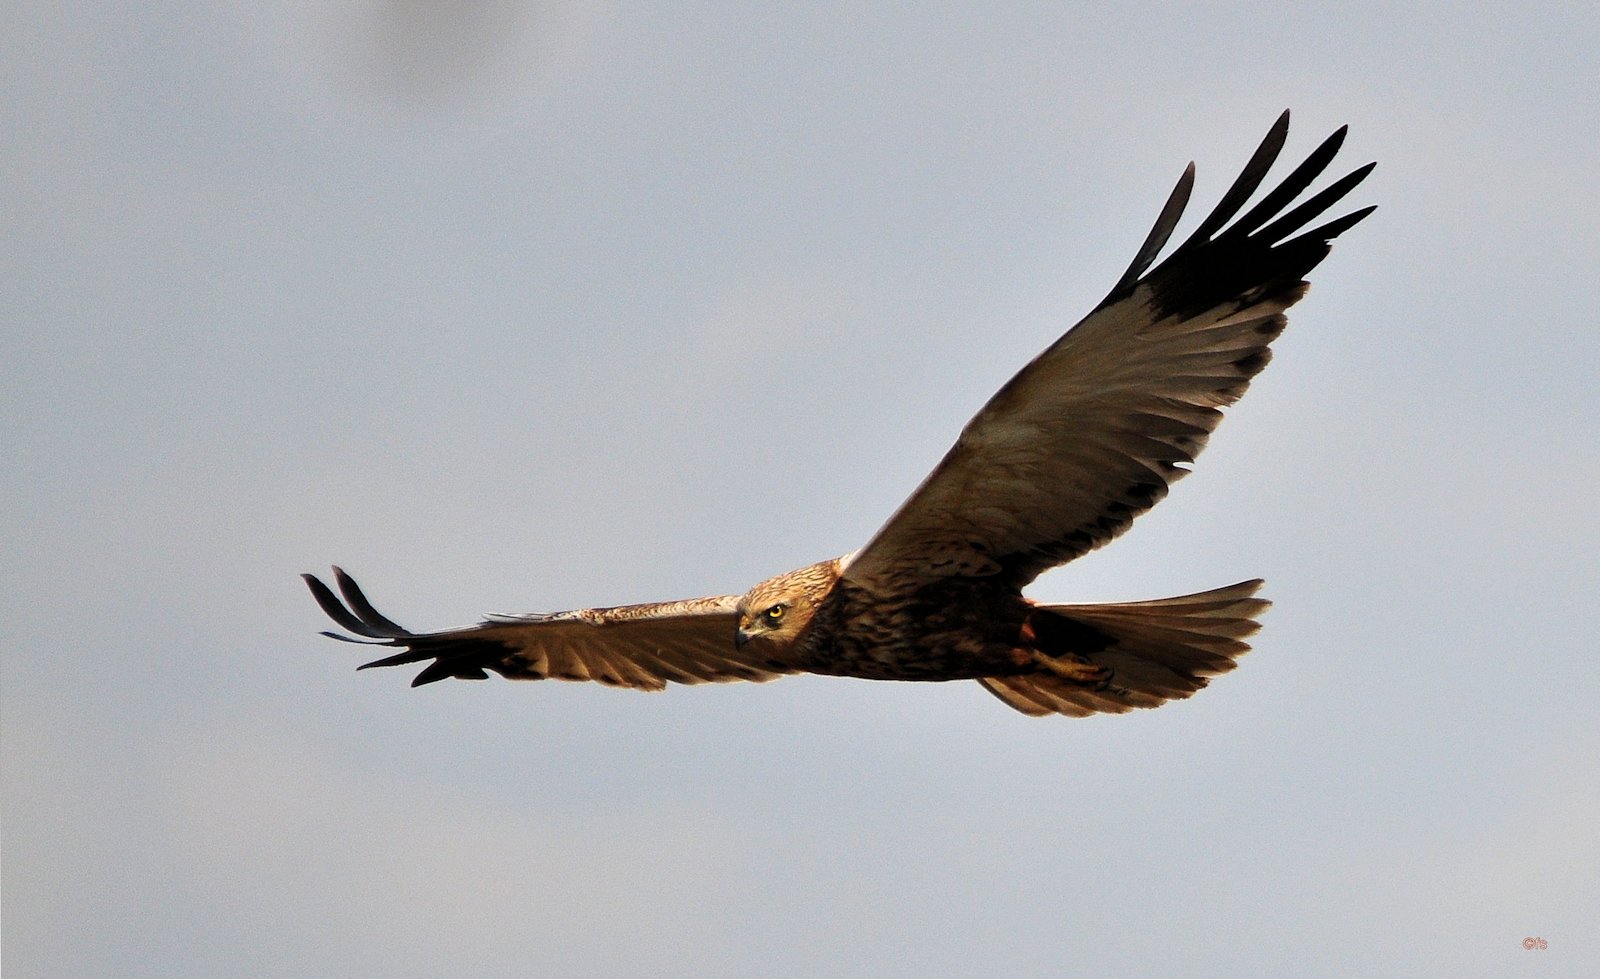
(1092, 432)
(639, 646)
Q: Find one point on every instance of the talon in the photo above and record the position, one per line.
(1076, 670)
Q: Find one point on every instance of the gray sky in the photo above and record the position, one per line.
(511, 307)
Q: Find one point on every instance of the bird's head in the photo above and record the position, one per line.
(779, 609)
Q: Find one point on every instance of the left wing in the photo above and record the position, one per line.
(639, 646)
(1093, 431)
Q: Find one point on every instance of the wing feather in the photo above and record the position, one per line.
(1246, 183)
(1095, 429)
(644, 647)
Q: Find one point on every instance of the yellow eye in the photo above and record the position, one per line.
(775, 613)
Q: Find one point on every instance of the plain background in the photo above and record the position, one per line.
(525, 306)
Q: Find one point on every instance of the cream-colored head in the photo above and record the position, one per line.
(779, 609)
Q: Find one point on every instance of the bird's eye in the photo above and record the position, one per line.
(775, 613)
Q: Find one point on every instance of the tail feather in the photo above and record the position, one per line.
(1157, 651)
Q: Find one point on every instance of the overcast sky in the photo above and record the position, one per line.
(525, 306)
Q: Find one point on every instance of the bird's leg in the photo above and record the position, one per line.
(1073, 668)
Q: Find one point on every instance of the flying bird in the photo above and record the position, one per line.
(1086, 437)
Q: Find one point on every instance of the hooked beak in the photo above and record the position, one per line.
(740, 638)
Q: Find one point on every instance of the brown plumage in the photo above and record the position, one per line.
(1083, 439)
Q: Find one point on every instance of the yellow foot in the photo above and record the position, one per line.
(1075, 670)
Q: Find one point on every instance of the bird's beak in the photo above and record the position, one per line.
(740, 638)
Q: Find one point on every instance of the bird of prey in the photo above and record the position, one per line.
(1086, 437)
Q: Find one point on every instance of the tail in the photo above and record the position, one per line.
(1156, 651)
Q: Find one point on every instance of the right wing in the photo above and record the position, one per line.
(1090, 434)
(639, 646)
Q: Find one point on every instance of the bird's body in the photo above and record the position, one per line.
(1086, 437)
(852, 631)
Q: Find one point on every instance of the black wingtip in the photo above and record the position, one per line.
(434, 672)
(354, 613)
(1314, 206)
(1336, 227)
(351, 639)
(1244, 185)
(398, 659)
(1265, 248)
(377, 623)
(1160, 233)
(1290, 187)
(332, 607)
